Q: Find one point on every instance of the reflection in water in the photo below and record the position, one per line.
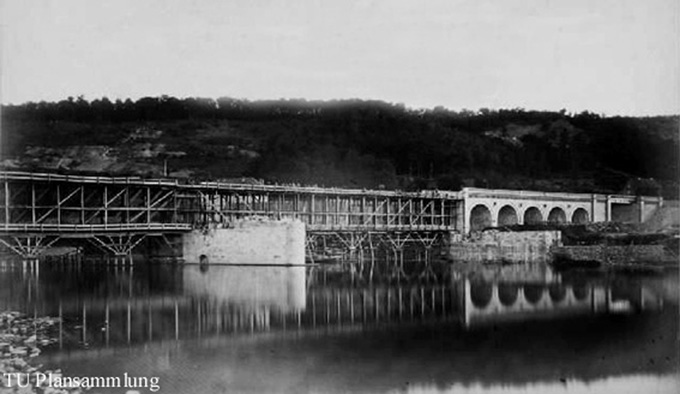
(497, 302)
(279, 288)
(217, 330)
(634, 384)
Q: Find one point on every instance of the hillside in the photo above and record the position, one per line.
(350, 143)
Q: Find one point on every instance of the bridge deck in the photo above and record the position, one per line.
(32, 203)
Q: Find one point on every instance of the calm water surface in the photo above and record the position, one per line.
(295, 329)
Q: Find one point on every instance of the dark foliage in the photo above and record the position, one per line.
(375, 144)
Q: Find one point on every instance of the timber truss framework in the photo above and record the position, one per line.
(116, 214)
(367, 248)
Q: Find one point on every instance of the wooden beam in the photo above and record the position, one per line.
(7, 214)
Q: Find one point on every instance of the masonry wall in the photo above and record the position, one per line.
(625, 213)
(263, 242)
(614, 254)
(648, 210)
(599, 213)
(521, 246)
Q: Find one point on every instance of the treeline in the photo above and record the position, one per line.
(372, 143)
(167, 108)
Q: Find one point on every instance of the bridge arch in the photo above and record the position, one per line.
(532, 215)
(480, 217)
(557, 215)
(580, 216)
(507, 216)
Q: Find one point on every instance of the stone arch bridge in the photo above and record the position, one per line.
(482, 208)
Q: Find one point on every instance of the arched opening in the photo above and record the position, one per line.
(203, 263)
(480, 218)
(557, 292)
(507, 216)
(532, 216)
(507, 293)
(557, 215)
(579, 216)
(480, 294)
(533, 293)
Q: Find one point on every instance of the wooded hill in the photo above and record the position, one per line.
(349, 143)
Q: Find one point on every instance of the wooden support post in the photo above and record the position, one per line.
(377, 218)
(337, 211)
(8, 219)
(106, 205)
(325, 211)
(148, 205)
(442, 219)
(400, 212)
(362, 208)
(33, 203)
(82, 204)
(312, 220)
(126, 203)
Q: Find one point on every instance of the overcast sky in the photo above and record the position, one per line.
(606, 56)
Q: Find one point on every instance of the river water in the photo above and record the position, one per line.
(443, 329)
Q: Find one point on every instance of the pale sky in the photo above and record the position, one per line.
(606, 56)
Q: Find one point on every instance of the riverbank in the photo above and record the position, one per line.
(617, 245)
(22, 339)
(564, 246)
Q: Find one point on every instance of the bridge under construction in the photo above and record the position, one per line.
(115, 214)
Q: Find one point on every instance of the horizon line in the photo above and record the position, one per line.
(332, 100)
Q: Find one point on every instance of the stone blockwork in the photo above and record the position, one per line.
(523, 246)
(614, 254)
(264, 242)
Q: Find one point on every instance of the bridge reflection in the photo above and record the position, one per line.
(500, 302)
(108, 306)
